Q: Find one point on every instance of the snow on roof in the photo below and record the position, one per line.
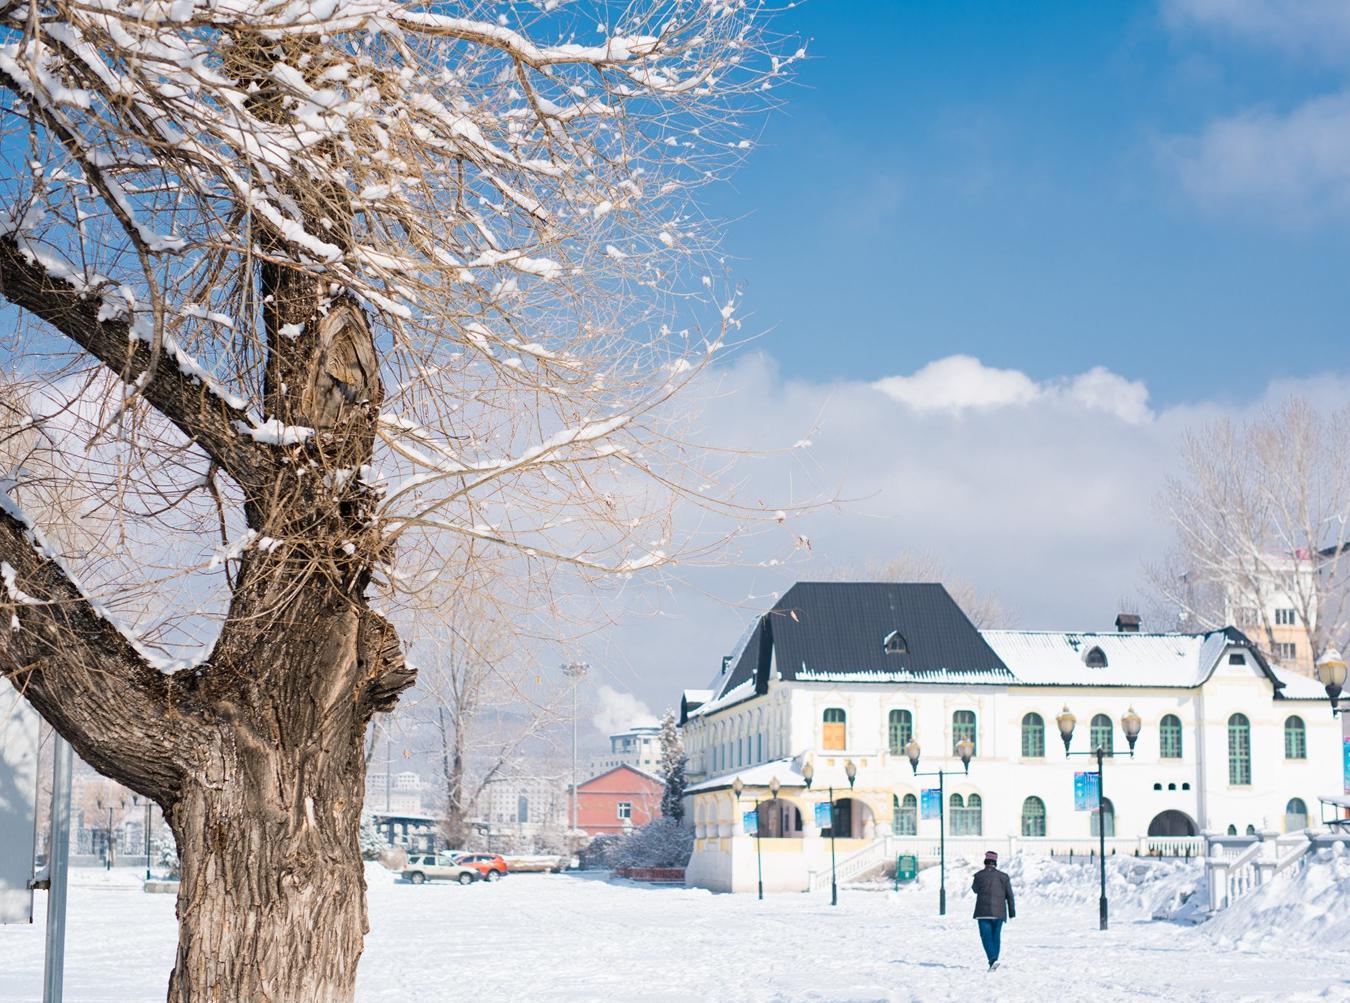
(742, 691)
(977, 677)
(1059, 658)
(1298, 687)
(755, 776)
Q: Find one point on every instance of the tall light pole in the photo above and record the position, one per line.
(850, 771)
(1129, 723)
(136, 800)
(575, 671)
(965, 748)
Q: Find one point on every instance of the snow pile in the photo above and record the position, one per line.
(1311, 906)
(1135, 886)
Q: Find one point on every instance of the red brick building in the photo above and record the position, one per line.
(618, 799)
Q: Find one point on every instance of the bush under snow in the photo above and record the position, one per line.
(660, 843)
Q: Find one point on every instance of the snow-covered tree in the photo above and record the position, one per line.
(673, 765)
(662, 842)
(372, 843)
(320, 303)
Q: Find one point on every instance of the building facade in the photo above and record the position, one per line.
(618, 800)
(639, 746)
(850, 674)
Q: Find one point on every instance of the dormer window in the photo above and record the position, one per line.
(895, 643)
(1095, 658)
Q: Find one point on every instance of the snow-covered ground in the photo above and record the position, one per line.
(579, 938)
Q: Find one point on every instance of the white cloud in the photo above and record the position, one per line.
(617, 711)
(961, 382)
(1296, 163)
(1295, 26)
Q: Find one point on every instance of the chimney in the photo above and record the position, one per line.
(1127, 623)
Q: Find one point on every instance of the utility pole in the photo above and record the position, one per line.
(575, 671)
(58, 859)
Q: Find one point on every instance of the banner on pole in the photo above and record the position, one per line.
(750, 822)
(18, 804)
(1087, 791)
(822, 814)
(1346, 769)
(931, 803)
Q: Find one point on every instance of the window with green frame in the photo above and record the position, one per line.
(963, 726)
(1101, 733)
(1033, 817)
(901, 729)
(1239, 750)
(967, 816)
(905, 815)
(1107, 814)
(1169, 737)
(1295, 738)
(1033, 736)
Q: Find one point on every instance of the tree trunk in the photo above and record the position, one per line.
(272, 902)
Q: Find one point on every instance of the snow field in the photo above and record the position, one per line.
(581, 938)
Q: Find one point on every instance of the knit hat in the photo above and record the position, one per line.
(991, 857)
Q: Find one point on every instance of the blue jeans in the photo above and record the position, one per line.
(991, 933)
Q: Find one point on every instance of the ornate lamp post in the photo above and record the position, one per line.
(850, 771)
(1130, 724)
(1331, 669)
(965, 748)
(108, 844)
(736, 788)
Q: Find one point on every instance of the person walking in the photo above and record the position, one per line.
(993, 905)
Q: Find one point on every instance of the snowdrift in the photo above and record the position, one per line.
(1310, 906)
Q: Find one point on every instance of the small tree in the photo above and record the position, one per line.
(673, 764)
(372, 843)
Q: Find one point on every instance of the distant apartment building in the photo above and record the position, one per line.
(394, 802)
(638, 746)
(1268, 606)
(523, 805)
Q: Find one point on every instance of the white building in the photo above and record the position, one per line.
(639, 746)
(850, 673)
(523, 804)
(399, 794)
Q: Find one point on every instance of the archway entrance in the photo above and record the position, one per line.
(1173, 823)
(780, 819)
(852, 819)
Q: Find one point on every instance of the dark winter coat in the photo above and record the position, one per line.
(993, 895)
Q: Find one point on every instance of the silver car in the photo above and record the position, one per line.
(426, 867)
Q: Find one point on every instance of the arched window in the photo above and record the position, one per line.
(1295, 738)
(963, 726)
(1251, 829)
(895, 643)
(1295, 815)
(1033, 817)
(1169, 737)
(1232, 830)
(1239, 750)
(1107, 815)
(905, 815)
(1101, 732)
(901, 730)
(1095, 658)
(1033, 737)
(835, 732)
(967, 816)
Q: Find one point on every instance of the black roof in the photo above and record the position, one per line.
(841, 628)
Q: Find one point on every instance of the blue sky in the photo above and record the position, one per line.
(1022, 183)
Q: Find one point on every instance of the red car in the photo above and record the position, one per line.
(490, 865)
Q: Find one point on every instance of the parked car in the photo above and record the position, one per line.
(489, 866)
(427, 867)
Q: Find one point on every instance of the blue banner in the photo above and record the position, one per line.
(750, 820)
(1346, 770)
(1087, 791)
(931, 803)
(822, 814)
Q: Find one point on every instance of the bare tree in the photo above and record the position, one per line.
(984, 609)
(327, 301)
(1261, 511)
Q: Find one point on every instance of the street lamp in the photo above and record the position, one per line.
(850, 771)
(108, 843)
(136, 800)
(1330, 670)
(737, 786)
(1130, 724)
(575, 671)
(965, 748)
